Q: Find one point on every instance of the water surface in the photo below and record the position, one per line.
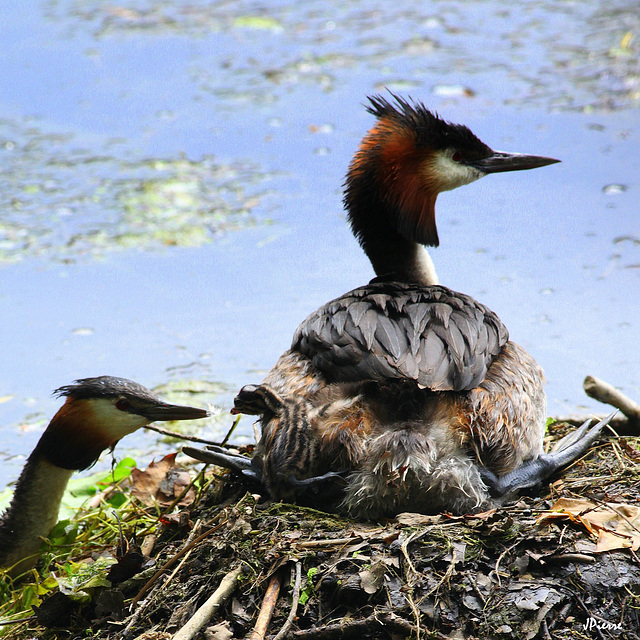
(170, 180)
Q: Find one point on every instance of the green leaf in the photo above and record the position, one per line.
(83, 577)
(63, 533)
(121, 471)
(309, 589)
(117, 499)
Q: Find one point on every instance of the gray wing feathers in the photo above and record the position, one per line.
(442, 339)
(389, 338)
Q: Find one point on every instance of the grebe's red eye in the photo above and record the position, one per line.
(123, 405)
(457, 156)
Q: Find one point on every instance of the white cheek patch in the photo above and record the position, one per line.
(448, 174)
(113, 422)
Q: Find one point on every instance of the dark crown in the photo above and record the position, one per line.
(428, 127)
(104, 387)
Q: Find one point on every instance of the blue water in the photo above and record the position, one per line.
(255, 110)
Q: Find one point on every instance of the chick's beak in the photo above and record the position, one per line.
(165, 412)
(501, 161)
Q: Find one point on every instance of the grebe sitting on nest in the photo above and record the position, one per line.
(403, 394)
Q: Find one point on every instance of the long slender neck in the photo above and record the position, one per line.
(64, 447)
(390, 253)
(32, 513)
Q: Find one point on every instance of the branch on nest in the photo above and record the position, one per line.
(268, 607)
(356, 628)
(608, 394)
(629, 425)
(604, 392)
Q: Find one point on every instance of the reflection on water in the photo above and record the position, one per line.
(170, 184)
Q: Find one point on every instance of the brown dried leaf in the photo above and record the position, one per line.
(372, 579)
(616, 525)
(630, 452)
(161, 483)
(221, 631)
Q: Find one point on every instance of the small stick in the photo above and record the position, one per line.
(329, 542)
(230, 432)
(268, 606)
(149, 542)
(17, 620)
(185, 549)
(604, 392)
(569, 557)
(357, 628)
(206, 611)
(294, 604)
(176, 435)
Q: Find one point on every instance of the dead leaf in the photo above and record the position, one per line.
(126, 567)
(390, 537)
(615, 525)
(456, 553)
(221, 631)
(180, 519)
(483, 515)
(389, 561)
(372, 579)
(293, 535)
(238, 611)
(376, 533)
(55, 611)
(630, 452)
(349, 550)
(161, 483)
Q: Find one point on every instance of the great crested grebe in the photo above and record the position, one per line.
(403, 393)
(97, 413)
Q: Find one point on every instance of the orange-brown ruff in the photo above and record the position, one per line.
(405, 387)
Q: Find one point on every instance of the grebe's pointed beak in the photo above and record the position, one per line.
(163, 412)
(501, 161)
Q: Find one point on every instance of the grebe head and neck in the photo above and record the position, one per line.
(96, 414)
(403, 163)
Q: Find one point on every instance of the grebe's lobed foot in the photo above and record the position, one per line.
(242, 465)
(318, 483)
(534, 472)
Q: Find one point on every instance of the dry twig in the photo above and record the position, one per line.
(204, 613)
(294, 604)
(347, 628)
(178, 436)
(268, 606)
(608, 394)
(328, 542)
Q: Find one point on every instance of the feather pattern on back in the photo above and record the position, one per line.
(445, 341)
